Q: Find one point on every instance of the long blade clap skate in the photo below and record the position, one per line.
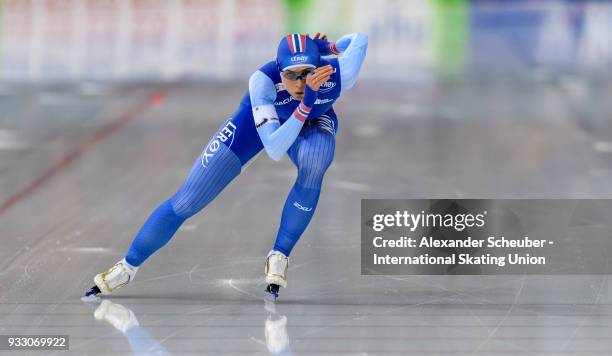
(116, 277)
(92, 293)
(276, 273)
(272, 292)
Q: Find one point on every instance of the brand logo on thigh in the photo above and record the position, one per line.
(225, 134)
(299, 206)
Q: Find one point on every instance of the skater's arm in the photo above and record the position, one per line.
(351, 49)
(276, 138)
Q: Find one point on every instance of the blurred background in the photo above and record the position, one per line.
(534, 72)
(104, 105)
(63, 40)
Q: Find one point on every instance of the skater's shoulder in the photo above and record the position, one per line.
(270, 69)
(262, 88)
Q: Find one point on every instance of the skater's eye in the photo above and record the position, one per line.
(297, 75)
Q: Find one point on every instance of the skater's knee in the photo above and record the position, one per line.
(185, 206)
(167, 210)
(189, 199)
(310, 173)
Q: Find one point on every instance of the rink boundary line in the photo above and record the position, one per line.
(75, 153)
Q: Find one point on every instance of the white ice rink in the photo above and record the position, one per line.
(94, 166)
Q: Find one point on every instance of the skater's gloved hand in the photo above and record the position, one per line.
(313, 83)
(325, 48)
(319, 76)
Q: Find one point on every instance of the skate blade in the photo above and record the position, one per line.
(271, 292)
(92, 295)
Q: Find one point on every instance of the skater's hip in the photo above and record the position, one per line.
(238, 133)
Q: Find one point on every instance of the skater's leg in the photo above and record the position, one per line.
(232, 146)
(313, 153)
(202, 185)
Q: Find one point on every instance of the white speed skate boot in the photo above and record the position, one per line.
(276, 273)
(116, 277)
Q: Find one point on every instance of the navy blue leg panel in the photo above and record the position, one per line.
(312, 153)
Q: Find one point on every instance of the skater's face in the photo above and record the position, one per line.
(295, 87)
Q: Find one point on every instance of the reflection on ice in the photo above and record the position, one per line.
(277, 338)
(124, 320)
